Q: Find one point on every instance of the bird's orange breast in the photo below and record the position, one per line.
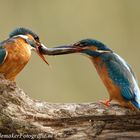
(113, 89)
(18, 55)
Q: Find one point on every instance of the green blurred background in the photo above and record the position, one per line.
(72, 78)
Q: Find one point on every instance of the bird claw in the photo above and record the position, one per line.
(107, 103)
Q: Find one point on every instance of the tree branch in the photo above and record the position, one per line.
(23, 117)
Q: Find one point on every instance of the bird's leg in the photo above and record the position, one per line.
(107, 102)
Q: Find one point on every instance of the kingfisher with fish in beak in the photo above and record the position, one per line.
(15, 52)
(116, 74)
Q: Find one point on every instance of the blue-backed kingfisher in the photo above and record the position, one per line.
(15, 51)
(114, 71)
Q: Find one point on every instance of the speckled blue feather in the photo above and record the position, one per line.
(122, 75)
(118, 70)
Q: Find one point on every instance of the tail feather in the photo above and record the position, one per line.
(136, 104)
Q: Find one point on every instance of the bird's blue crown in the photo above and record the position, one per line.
(22, 31)
(93, 42)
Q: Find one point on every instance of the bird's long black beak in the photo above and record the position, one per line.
(60, 50)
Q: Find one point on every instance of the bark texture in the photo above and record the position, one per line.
(24, 118)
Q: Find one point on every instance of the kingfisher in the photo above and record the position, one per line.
(116, 74)
(15, 51)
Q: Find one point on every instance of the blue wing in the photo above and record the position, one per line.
(132, 72)
(3, 55)
(122, 75)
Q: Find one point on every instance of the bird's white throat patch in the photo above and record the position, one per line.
(102, 51)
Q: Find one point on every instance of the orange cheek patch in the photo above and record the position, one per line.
(93, 48)
(30, 37)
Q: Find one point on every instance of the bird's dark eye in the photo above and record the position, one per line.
(36, 38)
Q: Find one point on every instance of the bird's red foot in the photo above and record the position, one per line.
(107, 103)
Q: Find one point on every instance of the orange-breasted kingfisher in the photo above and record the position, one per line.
(115, 72)
(15, 51)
